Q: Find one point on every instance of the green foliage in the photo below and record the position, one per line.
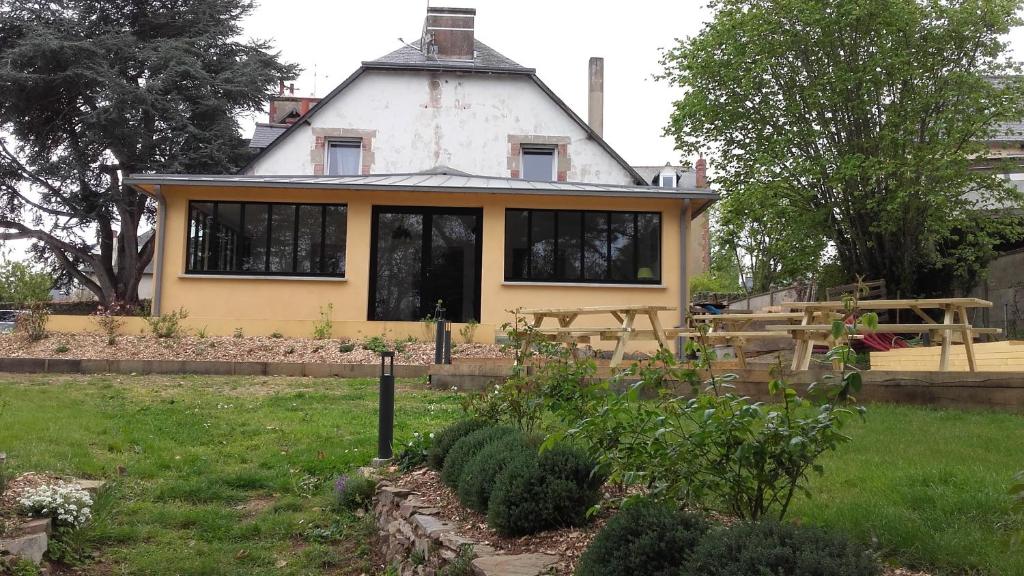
(462, 565)
(1017, 491)
(346, 347)
(323, 327)
(354, 491)
(168, 325)
(552, 490)
(20, 284)
(96, 89)
(61, 349)
(13, 566)
(238, 334)
(376, 344)
(468, 331)
(445, 439)
(108, 320)
(465, 449)
(481, 472)
(414, 452)
(646, 537)
(276, 335)
(775, 549)
(855, 126)
(32, 322)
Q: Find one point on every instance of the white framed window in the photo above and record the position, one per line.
(539, 163)
(344, 157)
(668, 181)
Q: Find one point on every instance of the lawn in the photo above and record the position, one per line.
(210, 475)
(216, 475)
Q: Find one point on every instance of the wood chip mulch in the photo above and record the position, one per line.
(93, 346)
(567, 543)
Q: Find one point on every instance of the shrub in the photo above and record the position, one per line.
(468, 331)
(275, 334)
(465, 449)
(376, 344)
(447, 438)
(167, 325)
(67, 504)
(238, 333)
(646, 537)
(61, 348)
(414, 453)
(354, 491)
(322, 328)
(775, 549)
(480, 473)
(346, 347)
(552, 490)
(32, 322)
(108, 320)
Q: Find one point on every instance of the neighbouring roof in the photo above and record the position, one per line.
(686, 177)
(485, 58)
(266, 133)
(430, 181)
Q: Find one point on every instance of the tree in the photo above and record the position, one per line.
(20, 284)
(855, 123)
(92, 90)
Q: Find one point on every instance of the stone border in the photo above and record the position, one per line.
(205, 367)
(418, 543)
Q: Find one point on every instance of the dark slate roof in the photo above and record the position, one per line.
(265, 134)
(484, 58)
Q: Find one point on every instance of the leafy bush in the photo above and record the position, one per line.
(480, 473)
(238, 333)
(323, 327)
(346, 347)
(276, 335)
(775, 549)
(354, 491)
(465, 449)
(468, 331)
(167, 325)
(414, 453)
(646, 537)
(32, 322)
(61, 349)
(447, 438)
(108, 320)
(21, 284)
(552, 490)
(376, 344)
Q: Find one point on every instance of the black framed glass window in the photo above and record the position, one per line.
(261, 238)
(583, 246)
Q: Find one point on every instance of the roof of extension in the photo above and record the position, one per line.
(486, 60)
(265, 134)
(440, 179)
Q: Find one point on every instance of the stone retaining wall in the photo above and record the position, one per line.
(419, 543)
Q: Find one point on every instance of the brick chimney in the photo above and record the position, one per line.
(448, 33)
(595, 101)
(286, 107)
(701, 169)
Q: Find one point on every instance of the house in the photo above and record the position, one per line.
(441, 172)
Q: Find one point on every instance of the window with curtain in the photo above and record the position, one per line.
(259, 238)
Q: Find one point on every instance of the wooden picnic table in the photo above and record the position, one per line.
(954, 319)
(734, 329)
(621, 333)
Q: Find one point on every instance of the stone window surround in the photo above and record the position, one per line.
(559, 143)
(321, 136)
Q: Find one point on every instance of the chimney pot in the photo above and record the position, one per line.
(595, 108)
(701, 169)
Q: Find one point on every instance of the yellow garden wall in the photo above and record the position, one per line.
(267, 304)
(340, 329)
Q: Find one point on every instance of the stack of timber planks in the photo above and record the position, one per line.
(1006, 356)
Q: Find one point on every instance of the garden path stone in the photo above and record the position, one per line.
(431, 525)
(513, 565)
(30, 547)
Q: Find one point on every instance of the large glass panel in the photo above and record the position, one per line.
(334, 240)
(648, 254)
(567, 261)
(595, 246)
(343, 158)
(399, 266)
(538, 164)
(199, 231)
(542, 245)
(623, 246)
(254, 243)
(310, 235)
(452, 276)
(229, 227)
(517, 248)
(282, 238)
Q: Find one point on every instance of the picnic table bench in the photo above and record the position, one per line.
(734, 329)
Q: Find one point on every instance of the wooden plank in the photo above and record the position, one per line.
(882, 328)
(596, 309)
(620, 348)
(892, 304)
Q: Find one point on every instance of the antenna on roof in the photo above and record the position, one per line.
(314, 80)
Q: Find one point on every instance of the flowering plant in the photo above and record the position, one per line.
(414, 453)
(67, 504)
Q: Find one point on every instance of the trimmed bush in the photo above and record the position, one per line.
(774, 549)
(479, 475)
(465, 449)
(552, 490)
(354, 491)
(445, 439)
(647, 537)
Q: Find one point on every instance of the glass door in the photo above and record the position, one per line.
(420, 256)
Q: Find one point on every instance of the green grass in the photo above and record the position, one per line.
(928, 488)
(210, 475)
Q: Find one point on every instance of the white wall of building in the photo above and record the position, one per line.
(427, 119)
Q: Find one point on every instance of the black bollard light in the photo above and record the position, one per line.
(447, 342)
(439, 335)
(386, 417)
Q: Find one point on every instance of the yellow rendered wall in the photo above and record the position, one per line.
(277, 300)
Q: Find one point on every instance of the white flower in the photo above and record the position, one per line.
(67, 503)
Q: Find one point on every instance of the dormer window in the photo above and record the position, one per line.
(668, 181)
(539, 163)
(344, 157)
